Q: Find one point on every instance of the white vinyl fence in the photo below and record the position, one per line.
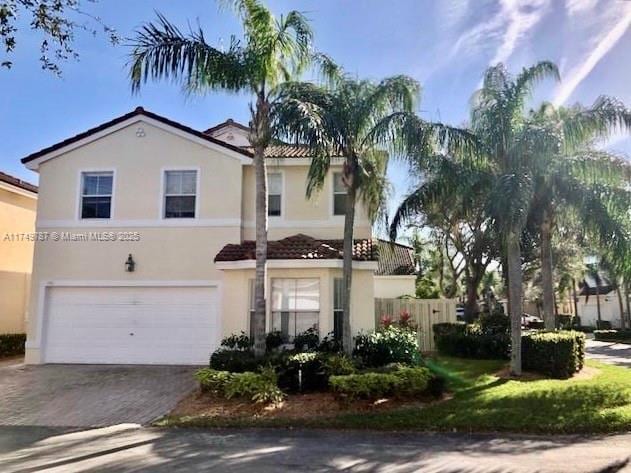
(424, 312)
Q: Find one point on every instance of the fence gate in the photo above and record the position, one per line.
(424, 312)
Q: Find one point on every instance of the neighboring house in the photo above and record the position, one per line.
(176, 207)
(18, 201)
(587, 305)
(396, 274)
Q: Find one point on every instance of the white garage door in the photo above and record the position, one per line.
(131, 325)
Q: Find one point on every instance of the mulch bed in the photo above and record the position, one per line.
(295, 406)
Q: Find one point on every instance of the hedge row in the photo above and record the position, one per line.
(404, 381)
(555, 354)
(12, 344)
(613, 335)
(471, 341)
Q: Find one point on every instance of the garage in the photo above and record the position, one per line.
(131, 325)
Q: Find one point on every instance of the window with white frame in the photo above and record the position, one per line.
(252, 308)
(180, 194)
(295, 306)
(338, 308)
(96, 194)
(339, 194)
(274, 194)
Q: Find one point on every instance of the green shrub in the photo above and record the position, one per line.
(613, 335)
(213, 381)
(471, 341)
(330, 344)
(258, 387)
(389, 345)
(338, 365)
(603, 325)
(237, 342)
(555, 354)
(301, 372)
(363, 386)
(404, 382)
(12, 344)
(495, 323)
(412, 381)
(274, 340)
(236, 361)
(307, 340)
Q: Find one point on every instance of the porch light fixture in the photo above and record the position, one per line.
(130, 264)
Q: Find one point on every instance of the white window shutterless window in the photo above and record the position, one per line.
(339, 194)
(252, 308)
(96, 194)
(338, 308)
(295, 306)
(274, 194)
(180, 194)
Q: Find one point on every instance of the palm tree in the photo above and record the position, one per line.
(497, 119)
(273, 51)
(339, 121)
(361, 121)
(580, 179)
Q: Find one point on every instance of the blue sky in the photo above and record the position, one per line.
(444, 44)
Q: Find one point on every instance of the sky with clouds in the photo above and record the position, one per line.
(444, 44)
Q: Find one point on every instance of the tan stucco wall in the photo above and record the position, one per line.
(236, 297)
(394, 286)
(312, 217)
(17, 216)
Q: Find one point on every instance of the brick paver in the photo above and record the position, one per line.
(90, 395)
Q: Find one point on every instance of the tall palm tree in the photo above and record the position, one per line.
(590, 183)
(338, 121)
(273, 51)
(498, 120)
(362, 122)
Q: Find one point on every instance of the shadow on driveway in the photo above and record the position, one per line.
(609, 352)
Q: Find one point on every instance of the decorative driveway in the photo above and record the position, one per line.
(609, 352)
(90, 395)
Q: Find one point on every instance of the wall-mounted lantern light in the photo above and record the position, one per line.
(130, 264)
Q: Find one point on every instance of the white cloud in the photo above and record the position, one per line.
(576, 7)
(610, 37)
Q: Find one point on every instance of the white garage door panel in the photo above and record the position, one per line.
(131, 325)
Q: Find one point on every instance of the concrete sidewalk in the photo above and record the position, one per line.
(130, 448)
(609, 352)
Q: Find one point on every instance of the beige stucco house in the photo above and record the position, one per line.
(18, 201)
(147, 254)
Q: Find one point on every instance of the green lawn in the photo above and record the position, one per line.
(484, 402)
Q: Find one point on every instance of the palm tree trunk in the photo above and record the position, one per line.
(260, 136)
(261, 251)
(627, 286)
(513, 257)
(547, 278)
(347, 270)
(620, 305)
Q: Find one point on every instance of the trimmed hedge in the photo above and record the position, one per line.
(555, 354)
(613, 335)
(12, 344)
(405, 381)
(472, 341)
(237, 361)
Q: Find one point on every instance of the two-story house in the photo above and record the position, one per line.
(146, 245)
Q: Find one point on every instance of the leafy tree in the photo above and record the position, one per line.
(574, 176)
(452, 198)
(57, 21)
(273, 52)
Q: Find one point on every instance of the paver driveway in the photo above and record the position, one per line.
(90, 395)
(609, 352)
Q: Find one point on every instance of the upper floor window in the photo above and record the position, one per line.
(96, 194)
(339, 194)
(274, 194)
(180, 194)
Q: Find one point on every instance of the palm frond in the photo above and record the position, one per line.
(161, 51)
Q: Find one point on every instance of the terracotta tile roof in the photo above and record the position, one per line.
(14, 181)
(284, 151)
(299, 247)
(122, 118)
(394, 259)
